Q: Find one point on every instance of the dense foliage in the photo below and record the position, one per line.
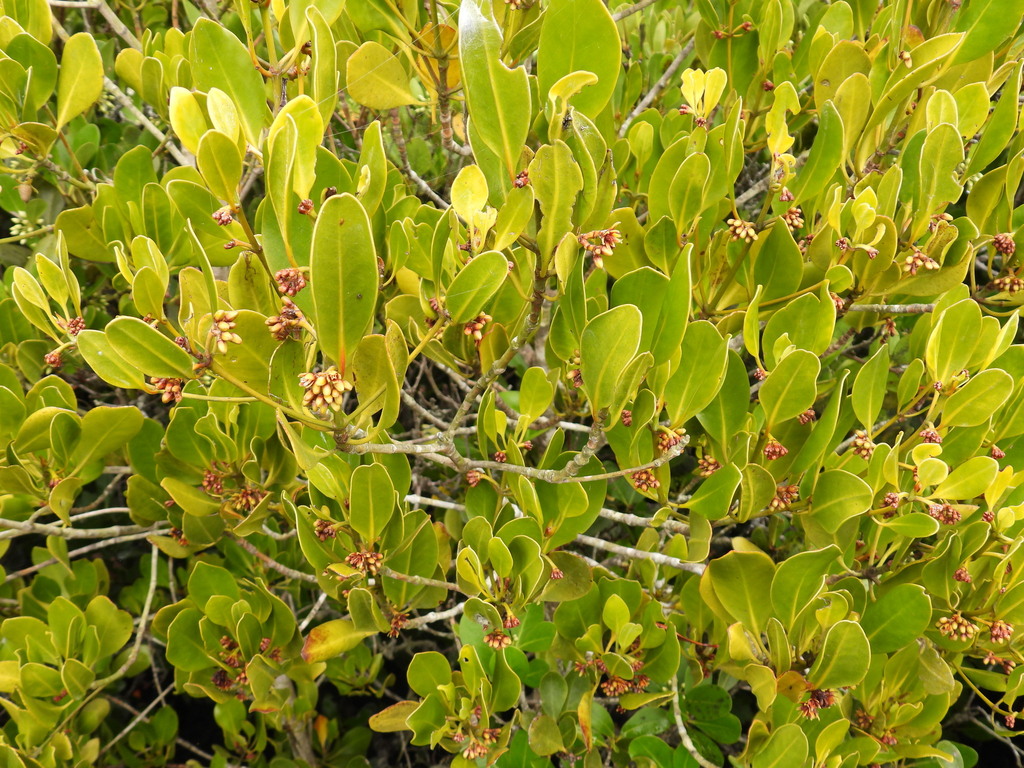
(528, 381)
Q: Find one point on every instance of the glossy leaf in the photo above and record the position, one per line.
(81, 77)
(344, 276)
(572, 30)
(498, 97)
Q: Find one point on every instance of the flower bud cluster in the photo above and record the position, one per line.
(324, 390)
(287, 323)
(223, 326)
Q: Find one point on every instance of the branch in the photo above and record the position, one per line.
(434, 616)
(117, 25)
(657, 88)
(893, 309)
(75, 553)
(270, 562)
(23, 528)
(122, 98)
(625, 518)
(654, 557)
(581, 459)
(421, 581)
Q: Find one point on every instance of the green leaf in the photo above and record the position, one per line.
(844, 657)
(81, 77)
(377, 79)
(742, 582)
(724, 416)
(986, 25)
(787, 746)
(33, 16)
(898, 617)
(572, 33)
(951, 343)
(514, 217)
(687, 190)
(377, 381)
(475, 285)
(707, 703)
(968, 480)
(916, 525)
(220, 162)
(149, 350)
(100, 356)
(220, 60)
(324, 76)
(839, 496)
(869, 388)
(701, 371)
(187, 118)
(826, 155)
(427, 671)
(778, 263)
(344, 275)
(713, 498)
(556, 180)
(545, 737)
(371, 501)
(941, 154)
(185, 649)
(756, 491)
(106, 429)
(798, 580)
(469, 191)
(535, 394)
(976, 401)
(498, 97)
(609, 343)
(790, 388)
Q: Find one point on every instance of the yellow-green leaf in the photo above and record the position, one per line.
(81, 78)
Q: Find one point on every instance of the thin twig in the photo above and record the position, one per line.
(122, 98)
(1017, 751)
(182, 742)
(270, 562)
(421, 185)
(140, 632)
(140, 717)
(635, 8)
(75, 553)
(656, 89)
(27, 235)
(313, 612)
(498, 366)
(684, 736)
